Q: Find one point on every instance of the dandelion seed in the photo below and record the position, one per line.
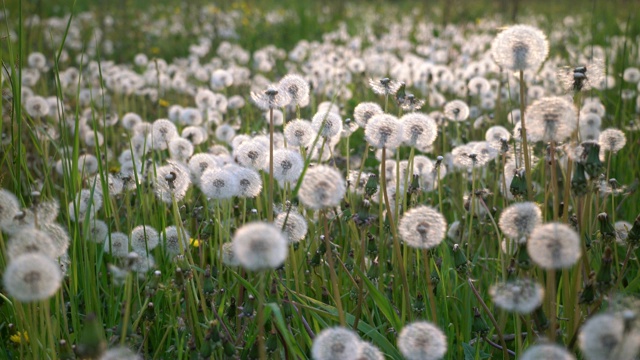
(554, 246)
(419, 130)
(144, 238)
(172, 240)
(519, 220)
(260, 246)
(322, 187)
(299, 133)
(336, 343)
(522, 296)
(612, 140)
(519, 48)
(32, 277)
(422, 227)
(295, 227)
(422, 340)
(384, 131)
(456, 110)
(547, 352)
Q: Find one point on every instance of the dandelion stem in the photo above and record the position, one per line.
(270, 190)
(332, 270)
(505, 351)
(525, 145)
(396, 242)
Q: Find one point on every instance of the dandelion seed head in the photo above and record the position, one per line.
(519, 220)
(519, 48)
(327, 123)
(171, 240)
(143, 238)
(117, 244)
(37, 106)
(171, 182)
(322, 187)
(32, 277)
(384, 86)
(180, 149)
(554, 246)
(336, 343)
(9, 207)
(293, 225)
(130, 120)
(422, 227)
(601, 336)
(364, 111)
(297, 88)
(287, 165)
(419, 130)
(271, 98)
(551, 119)
(97, 232)
(422, 340)
(467, 156)
(369, 352)
(456, 110)
(253, 154)
(612, 140)
(384, 131)
(219, 183)
(260, 246)
(547, 352)
(30, 240)
(58, 235)
(86, 201)
(162, 131)
(522, 296)
(299, 133)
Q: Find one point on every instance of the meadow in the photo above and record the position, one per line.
(319, 180)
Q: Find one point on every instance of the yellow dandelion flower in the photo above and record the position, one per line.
(19, 337)
(195, 242)
(163, 102)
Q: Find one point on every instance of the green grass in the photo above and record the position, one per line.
(196, 307)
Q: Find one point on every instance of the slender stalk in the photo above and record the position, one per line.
(505, 353)
(261, 343)
(525, 145)
(432, 297)
(270, 190)
(396, 242)
(332, 270)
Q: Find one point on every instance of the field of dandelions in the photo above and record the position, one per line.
(390, 187)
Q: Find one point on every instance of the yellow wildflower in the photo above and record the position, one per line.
(19, 337)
